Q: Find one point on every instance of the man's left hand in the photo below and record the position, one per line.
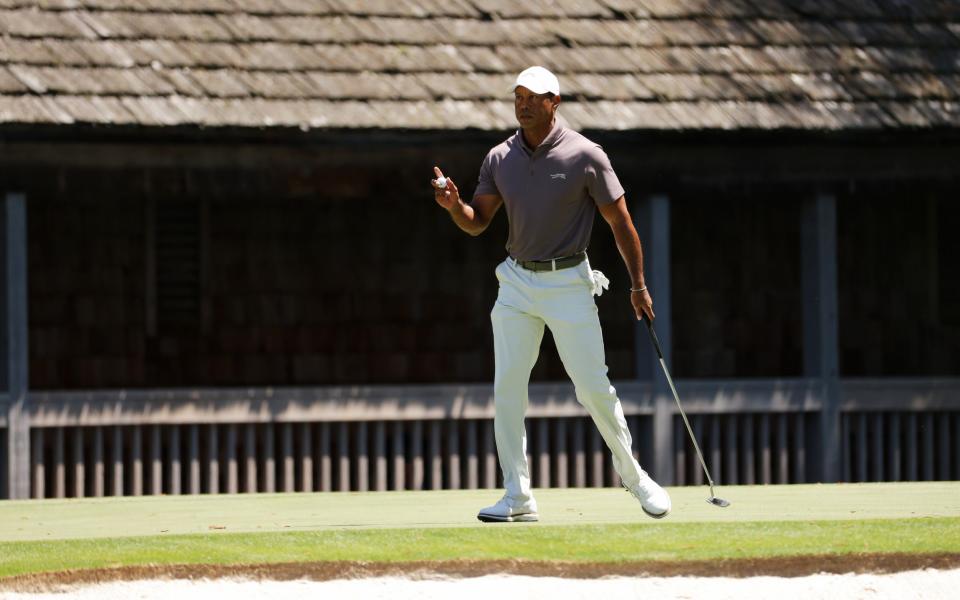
(642, 304)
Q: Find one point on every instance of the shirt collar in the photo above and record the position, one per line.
(551, 140)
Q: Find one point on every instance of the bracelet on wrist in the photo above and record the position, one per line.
(639, 289)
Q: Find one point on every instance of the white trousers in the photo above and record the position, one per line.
(563, 301)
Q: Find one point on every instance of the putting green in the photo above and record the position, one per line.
(175, 515)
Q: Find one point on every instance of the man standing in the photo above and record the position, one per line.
(551, 180)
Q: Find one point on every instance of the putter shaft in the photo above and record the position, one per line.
(656, 344)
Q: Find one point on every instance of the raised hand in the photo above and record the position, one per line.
(447, 196)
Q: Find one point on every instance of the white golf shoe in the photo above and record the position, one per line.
(654, 500)
(506, 511)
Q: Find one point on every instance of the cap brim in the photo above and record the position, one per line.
(535, 91)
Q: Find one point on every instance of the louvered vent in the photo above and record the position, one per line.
(177, 247)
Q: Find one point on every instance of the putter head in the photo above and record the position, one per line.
(718, 502)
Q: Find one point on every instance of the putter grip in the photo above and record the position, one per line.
(653, 336)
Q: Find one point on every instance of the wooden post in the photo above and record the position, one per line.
(652, 220)
(269, 459)
(116, 471)
(543, 453)
(416, 454)
(489, 453)
(343, 456)
(136, 460)
(579, 454)
(434, 456)
(453, 454)
(38, 465)
(79, 464)
(287, 460)
(473, 463)
(59, 464)
(749, 465)
(250, 458)
(380, 456)
(596, 457)
(783, 465)
(820, 328)
(233, 469)
(399, 457)
(306, 457)
(173, 454)
(156, 461)
(800, 450)
(731, 469)
(362, 457)
(99, 466)
(193, 442)
(325, 457)
(713, 442)
(13, 342)
(213, 459)
(560, 453)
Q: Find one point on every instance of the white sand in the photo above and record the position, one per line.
(926, 584)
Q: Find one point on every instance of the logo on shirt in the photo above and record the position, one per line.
(558, 176)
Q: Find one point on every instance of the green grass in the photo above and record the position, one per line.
(583, 543)
(576, 525)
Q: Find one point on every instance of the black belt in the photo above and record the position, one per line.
(554, 264)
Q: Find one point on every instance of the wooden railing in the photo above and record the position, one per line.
(441, 437)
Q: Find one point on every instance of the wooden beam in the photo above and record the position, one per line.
(334, 403)
(411, 403)
(652, 221)
(13, 343)
(721, 159)
(820, 327)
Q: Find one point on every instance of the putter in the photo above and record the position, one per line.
(656, 344)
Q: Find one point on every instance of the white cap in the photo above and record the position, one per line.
(538, 80)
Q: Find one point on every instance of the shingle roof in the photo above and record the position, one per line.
(448, 64)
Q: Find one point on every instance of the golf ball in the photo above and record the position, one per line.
(441, 182)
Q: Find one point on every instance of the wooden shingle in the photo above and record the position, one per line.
(25, 109)
(592, 86)
(9, 84)
(31, 52)
(635, 32)
(96, 110)
(220, 83)
(509, 9)
(472, 86)
(927, 86)
(673, 64)
(29, 78)
(204, 6)
(244, 27)
(707, 32)
(182, 81)
(270, 84)
(36, 23)
(782, 32)
(667, 9)
(96, 81)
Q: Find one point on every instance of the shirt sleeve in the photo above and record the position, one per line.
(602, 183)
(486, 184)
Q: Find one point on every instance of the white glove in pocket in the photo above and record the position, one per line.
(599, 282)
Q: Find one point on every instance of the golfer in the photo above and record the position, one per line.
(551, 180)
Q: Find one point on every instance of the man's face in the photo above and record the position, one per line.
(534, 110)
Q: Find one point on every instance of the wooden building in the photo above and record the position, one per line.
(224, 270)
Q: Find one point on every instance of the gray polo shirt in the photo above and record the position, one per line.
(550, 193)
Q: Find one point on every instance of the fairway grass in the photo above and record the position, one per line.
(604, 526)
